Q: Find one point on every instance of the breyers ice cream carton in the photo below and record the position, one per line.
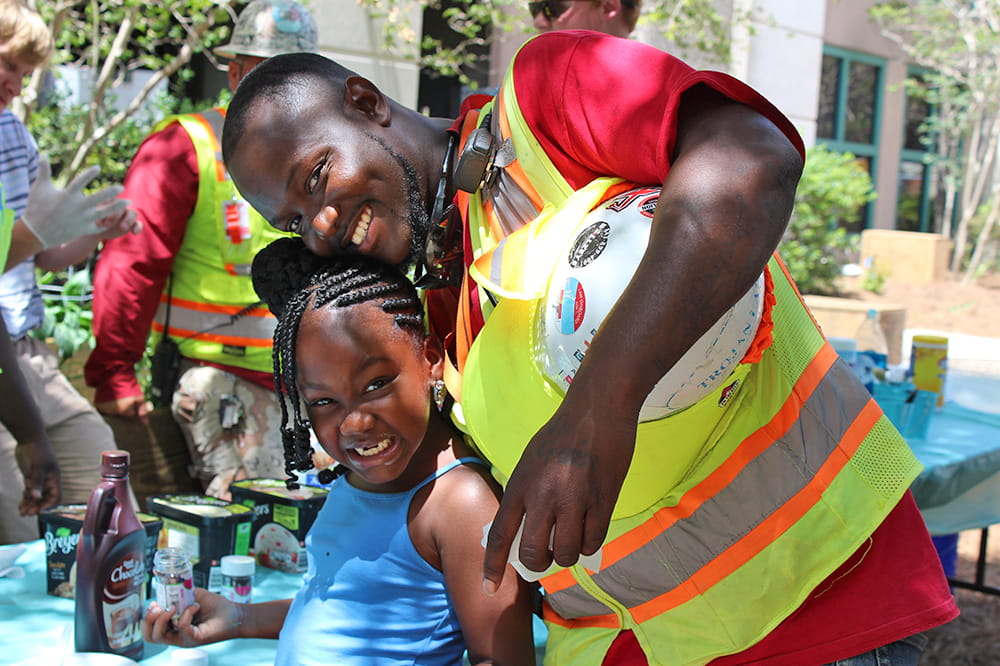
(206, 528)
(59, 526)
(282, 517)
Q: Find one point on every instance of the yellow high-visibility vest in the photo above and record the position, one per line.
(214, 312)
(732, 510)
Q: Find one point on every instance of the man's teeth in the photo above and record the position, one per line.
(373, 450)
(362, 229)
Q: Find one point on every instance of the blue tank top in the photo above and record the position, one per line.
(368, 597)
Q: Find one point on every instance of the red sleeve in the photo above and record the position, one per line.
(162, 185)
(602, 105)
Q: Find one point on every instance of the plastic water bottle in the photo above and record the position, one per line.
(872, 350)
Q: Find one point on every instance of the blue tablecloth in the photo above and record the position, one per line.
(37, 628)
(959, 488)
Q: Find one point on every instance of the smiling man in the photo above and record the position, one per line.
(768, 523)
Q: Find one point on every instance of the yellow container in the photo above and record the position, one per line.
(929, 363)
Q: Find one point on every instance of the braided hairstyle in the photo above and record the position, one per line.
(290, 279)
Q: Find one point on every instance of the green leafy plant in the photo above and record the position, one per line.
(874, 278)
(832, 192)
(68, 315)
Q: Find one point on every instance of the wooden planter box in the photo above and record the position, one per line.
(911, 257)
(841, 317)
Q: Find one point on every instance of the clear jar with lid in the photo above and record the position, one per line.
(173, 580)
(237, 578)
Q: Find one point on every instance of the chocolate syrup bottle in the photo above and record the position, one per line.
(110, 566)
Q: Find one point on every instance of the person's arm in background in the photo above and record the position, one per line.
(54, 216)
(725, 203)
(20, 415)
(130, 274)
(59, 257)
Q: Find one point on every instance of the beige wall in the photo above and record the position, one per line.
(351, 37)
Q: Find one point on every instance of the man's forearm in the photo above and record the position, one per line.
(23, 244)
(720, 217)
(18, 411)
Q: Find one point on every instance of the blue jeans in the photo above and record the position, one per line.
(905, 652)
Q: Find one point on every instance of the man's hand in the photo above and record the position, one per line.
(57, 216)
(41, 476)
(567, 480)
(118, 224)
(134, 406)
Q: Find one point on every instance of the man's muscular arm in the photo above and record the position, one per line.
(723, 209)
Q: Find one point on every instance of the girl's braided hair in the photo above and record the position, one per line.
(288, 277)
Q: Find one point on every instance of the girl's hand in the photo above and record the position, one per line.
(209, 620)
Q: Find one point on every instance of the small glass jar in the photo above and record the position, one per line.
(174, 580)
(237, 578)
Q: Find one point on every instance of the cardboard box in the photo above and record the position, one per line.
(282, 517)
(206, 528)
(59, 526)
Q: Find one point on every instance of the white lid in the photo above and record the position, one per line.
(237, 565)
(189, 657)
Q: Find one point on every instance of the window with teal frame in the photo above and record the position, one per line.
(914, 205)
(850, 103)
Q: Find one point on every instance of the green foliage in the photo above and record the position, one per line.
(874, 278)
(68, 316)
(958, 44)
(833, 191)
(113, 37)
(690, 25)
(109, 40)
(54, 128)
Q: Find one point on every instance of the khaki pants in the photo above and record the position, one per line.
(250, 449)
(77, 434)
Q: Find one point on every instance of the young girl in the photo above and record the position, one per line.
(395, 555)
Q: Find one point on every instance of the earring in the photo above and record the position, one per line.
(439, 393)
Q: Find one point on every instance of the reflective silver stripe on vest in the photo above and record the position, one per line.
(185, 321)
(769, 480)
(215, 120)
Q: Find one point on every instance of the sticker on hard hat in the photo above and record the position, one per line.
(589, 244)
(572, 306)
(584, 287)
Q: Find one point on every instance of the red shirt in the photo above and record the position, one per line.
(615, 114)
(162, 186)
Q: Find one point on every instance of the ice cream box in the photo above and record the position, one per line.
(59, 526)
(206, 528)
(282, 517)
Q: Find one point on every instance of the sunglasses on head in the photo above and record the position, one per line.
(553, 9)
(550, 9)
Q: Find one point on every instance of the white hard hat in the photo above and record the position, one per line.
(268, 28)
(586, 284)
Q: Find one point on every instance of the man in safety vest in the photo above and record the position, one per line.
(187, 278)
(768, 523)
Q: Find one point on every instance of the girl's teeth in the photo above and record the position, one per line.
(373, 450)
(362, 229)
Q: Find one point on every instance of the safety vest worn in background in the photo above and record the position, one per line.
(733, 510)
(215, 314)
